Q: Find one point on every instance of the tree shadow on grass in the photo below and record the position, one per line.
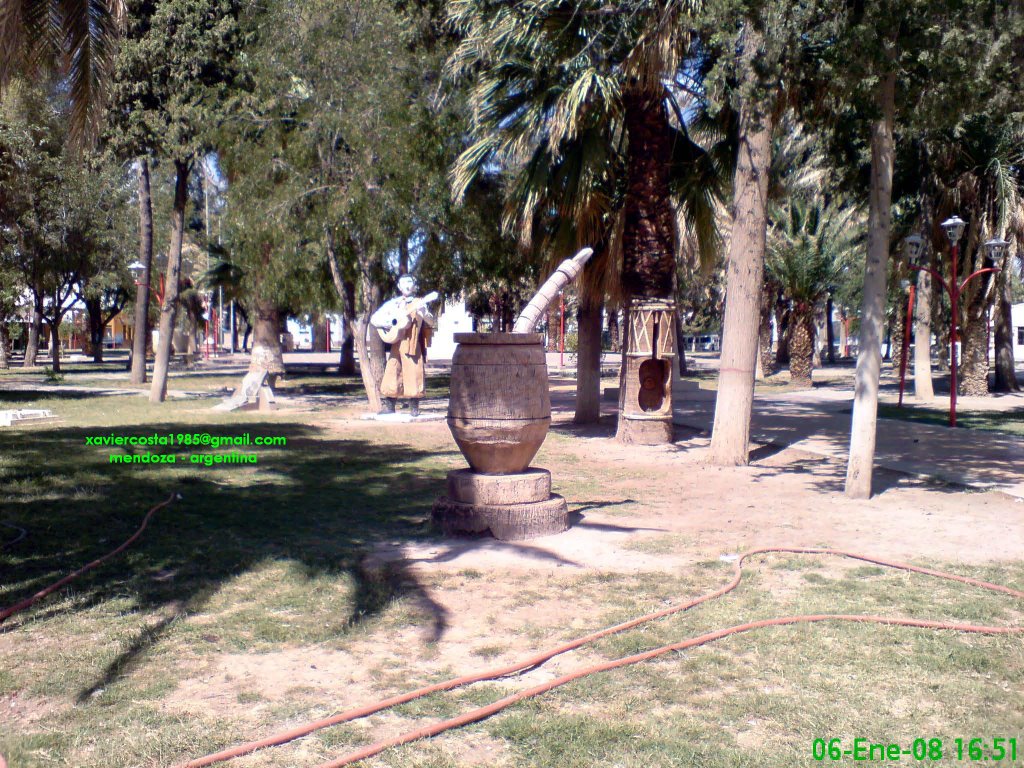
(320, 501)
(34, 396)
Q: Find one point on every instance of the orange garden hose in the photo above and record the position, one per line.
(6, 613)
(532, 661)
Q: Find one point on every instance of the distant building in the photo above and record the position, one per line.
(454, 318)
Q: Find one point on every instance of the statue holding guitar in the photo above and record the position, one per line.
(406, 323)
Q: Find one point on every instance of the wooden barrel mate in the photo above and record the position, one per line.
(499, 410)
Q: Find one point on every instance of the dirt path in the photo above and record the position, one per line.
(642, 509)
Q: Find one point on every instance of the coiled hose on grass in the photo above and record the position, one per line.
(532, 661)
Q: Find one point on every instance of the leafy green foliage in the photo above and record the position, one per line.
(63, 216)
(175, 77)
(810, 243)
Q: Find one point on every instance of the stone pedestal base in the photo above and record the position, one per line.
(510, 507)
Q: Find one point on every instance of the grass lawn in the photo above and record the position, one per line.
(262, 566)
(1009, 421)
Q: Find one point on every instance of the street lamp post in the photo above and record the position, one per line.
(914, 245)
(954, 229)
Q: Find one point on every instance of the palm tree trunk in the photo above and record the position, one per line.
(141, 338)
(973, 373)
(1006, 375)
(730, 435)
(588, 362)
(896, 332)
(783, 326)
(869, 357)
(923, 390)
(169, 310)
(648, 241)
(801, 349)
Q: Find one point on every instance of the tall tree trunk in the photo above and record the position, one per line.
(5, 340)
(369, 347)
(844, 336)
(55, 344)
(801, 349)
(347, 360)
(819, 335)
(34, 329)
(94, 308)
(588, 361)
(648, 239)
(346, 291)
(266, 344)
(830, 335)
(318, 333)
(615, 331)
(768, 363)
(169, 310)
(681, 345)
(923, 390)
(140, 342)
(869, 358)
(368, 344)
(1006, 375)
(730, 436)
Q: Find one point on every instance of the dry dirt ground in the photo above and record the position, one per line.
(641, 516)
(641, 508)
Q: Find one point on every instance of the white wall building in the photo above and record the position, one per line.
(453, 319)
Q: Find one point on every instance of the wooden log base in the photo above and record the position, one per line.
(470, 487)
(641, 431)
(506, 522)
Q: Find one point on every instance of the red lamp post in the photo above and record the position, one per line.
(954, 229)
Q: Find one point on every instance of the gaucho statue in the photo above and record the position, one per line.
(406, 324)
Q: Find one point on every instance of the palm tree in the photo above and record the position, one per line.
(809, 242)
(571, 99)
(76, 39)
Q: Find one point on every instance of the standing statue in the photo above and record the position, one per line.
(406, 324)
